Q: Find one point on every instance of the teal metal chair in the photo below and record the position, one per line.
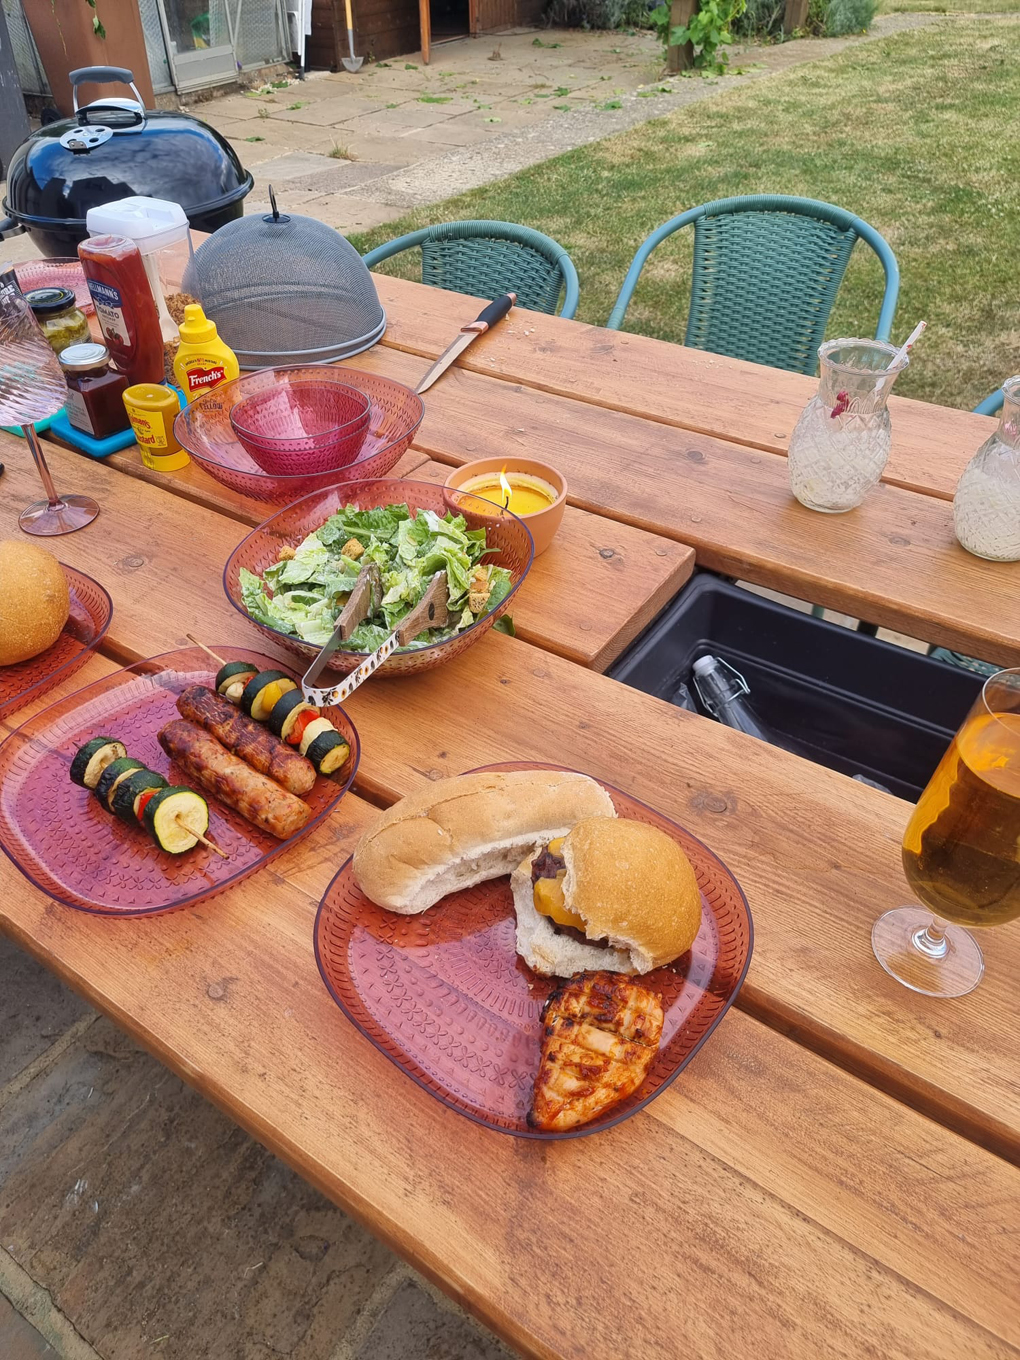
(991, 406)
(487, 259)
(767, 268)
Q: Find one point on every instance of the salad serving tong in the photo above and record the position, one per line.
(431, 611)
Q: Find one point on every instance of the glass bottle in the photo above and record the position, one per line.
(840, 445)
(986, 507)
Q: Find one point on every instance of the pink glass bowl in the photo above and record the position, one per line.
(204, 429)
(62, 271)
(303, 426)
(78, 853)
(91, 612)
(507, 535)
(445, 996)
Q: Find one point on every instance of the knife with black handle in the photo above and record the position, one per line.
(486, 318)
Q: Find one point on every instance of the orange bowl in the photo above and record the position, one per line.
(542, 523)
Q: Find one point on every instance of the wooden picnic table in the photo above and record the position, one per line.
(836, 1172)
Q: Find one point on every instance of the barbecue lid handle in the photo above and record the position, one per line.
(102, 75)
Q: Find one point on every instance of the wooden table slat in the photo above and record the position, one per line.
(138, 552)
(671, 384)
(817, 854)
(894, 561)
(842, 1237)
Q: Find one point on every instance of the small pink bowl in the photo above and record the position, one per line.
(302, 427)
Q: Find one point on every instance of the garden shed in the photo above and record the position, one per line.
(392, 28)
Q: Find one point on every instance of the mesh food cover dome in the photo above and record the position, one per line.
(285, 289)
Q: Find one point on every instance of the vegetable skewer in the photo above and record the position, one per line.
(208, 650)
(202, 840)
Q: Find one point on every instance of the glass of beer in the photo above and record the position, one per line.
(961, 851)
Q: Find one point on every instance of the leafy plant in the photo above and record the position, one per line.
(761, 19)
(254, 139)
(848, 16)
(435, 98)
(708, 31)
(299, 104)
(537, 42)
(586, 13)
(97, 23)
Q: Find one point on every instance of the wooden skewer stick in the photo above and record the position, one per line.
(202, 840)
(218, 659)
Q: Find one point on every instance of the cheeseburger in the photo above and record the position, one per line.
(612, 894)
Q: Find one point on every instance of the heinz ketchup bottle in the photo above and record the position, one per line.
(125, 307)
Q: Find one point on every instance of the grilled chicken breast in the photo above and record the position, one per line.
(600, 1032)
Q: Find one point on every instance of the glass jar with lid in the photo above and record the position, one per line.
(95, 391)
(58, 316)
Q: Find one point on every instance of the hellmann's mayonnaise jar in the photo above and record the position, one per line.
(203, 360)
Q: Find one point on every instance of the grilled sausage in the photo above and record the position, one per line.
(232, 781)
(247, 738)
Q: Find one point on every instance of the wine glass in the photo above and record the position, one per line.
(32, 387)
(960, 851)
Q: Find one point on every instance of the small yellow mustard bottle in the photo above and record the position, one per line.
(203, 360)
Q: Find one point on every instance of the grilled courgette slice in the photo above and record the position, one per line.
(92, 759)
(256, 685)
(124, 799)
(328, 751)
(316, 728)
(172, 815)
(283, 714)
(232, 678)
(116, 771)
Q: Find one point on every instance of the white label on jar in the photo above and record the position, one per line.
(78, 413)
(109, 310)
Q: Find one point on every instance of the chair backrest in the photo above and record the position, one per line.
(766, 272)
(992, 405)
(487, 259)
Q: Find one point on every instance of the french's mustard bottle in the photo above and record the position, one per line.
(203, 360)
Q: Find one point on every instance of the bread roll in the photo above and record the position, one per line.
(454, 833)
(631, 884)
(34, 600)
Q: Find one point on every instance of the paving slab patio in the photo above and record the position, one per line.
(468, 119)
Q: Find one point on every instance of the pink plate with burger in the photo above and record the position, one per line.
(74, 848)
(446, 996)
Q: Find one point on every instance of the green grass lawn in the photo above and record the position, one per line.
(950, 6)
(915, 133)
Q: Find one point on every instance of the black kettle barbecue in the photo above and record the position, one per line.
(116, 148)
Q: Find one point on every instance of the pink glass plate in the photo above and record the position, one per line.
(62, 271)
(91, 612)
(204, 429)
(508, 536)
(75, 851)
(446, 998)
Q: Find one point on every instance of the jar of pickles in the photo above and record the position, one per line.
(58, 316)
(95, 392)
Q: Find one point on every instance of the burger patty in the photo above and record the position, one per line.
(548, 865)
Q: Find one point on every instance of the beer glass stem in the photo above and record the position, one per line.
(32, 439)
(931, 941)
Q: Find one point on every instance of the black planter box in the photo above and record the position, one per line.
(840, 698)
